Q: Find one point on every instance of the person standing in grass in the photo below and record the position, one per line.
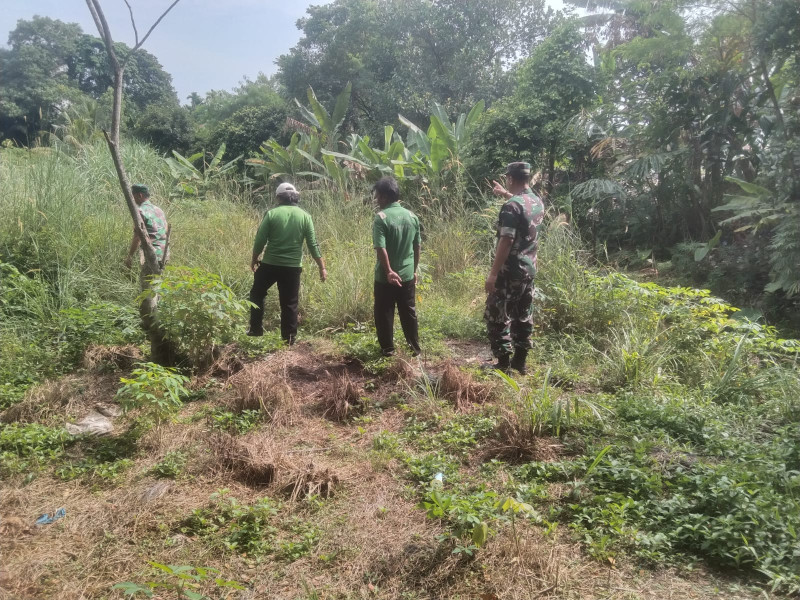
(396, 239)
(509, 286)
(154, 222)
(282, 232)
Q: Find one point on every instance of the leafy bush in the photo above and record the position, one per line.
(197, 311)
(154, 389)
(24, 447)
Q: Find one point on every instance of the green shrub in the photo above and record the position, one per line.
(155, 390)
(197, 311)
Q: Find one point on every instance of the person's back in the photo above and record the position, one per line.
(287, 227)
(280, 237)
(398, 228)
(396, 239)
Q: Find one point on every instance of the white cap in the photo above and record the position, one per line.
(285, 188)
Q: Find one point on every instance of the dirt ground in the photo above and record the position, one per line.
(374, 541)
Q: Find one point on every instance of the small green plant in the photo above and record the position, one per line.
(185, 581)
(171, 466)
(197, 311)
(154, 389)
(238, 527)
(307, 537)
(240, 422)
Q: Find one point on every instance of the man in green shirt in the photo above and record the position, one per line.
(283, 231)
(396, 239)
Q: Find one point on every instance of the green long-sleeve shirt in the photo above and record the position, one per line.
(282, 231)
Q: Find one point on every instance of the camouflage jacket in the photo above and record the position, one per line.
(520, 218)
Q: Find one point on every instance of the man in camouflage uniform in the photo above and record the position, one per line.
(154, 222)
(509, 286)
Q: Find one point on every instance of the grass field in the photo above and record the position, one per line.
(652, 451)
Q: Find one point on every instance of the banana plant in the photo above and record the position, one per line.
(443, 142)
(393, 159)
(326, 125)
(193, 181)
(277, 162)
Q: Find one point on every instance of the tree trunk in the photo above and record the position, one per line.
(161, 350)
(551, 168)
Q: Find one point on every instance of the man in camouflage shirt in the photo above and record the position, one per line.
(154, 222)
(509, 286)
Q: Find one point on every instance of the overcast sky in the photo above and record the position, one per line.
(203, 44)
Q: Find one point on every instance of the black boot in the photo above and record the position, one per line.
(518, 362)
(502, 364)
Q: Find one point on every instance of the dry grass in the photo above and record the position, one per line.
(252, 464)
(516, 442)
(374, 541)
(342, 399)
(311, 481)
(400, 370)
(48, 400)
(103, 358)
(258, 387)
(460, 388)
(227, 362)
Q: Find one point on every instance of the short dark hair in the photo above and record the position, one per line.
(289, 198)
(519, 177)
(386, 187)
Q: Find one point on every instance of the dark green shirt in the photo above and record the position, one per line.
(396, 229)
(282, 231)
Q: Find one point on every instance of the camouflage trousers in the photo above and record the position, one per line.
(509, 315)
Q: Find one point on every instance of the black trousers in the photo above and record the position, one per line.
(288, 280)
(388, 296)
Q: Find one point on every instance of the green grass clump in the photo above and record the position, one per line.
(30, 447)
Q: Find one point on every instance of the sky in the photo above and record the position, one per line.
(203, 44)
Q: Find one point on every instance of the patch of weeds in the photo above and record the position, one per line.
(359, 345)
(104, 458)
(186, 581)
(423, 469)
(255, 347)
(94, 470)
(663, 510)
(30, 447)
(462, 433)
(467, 514)
(235, 422)
(171, 466)
(305, 537)
(251, 530)
(155, 390)
(387, 442)
(245, 529)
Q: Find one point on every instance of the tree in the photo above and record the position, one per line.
(249, 127)
(551, 87)
(402, 56)
(35, 77)
(166, 127)
(51, 65)
(219, 105)
(161, 350)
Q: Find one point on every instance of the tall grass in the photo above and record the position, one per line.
(65, 220)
